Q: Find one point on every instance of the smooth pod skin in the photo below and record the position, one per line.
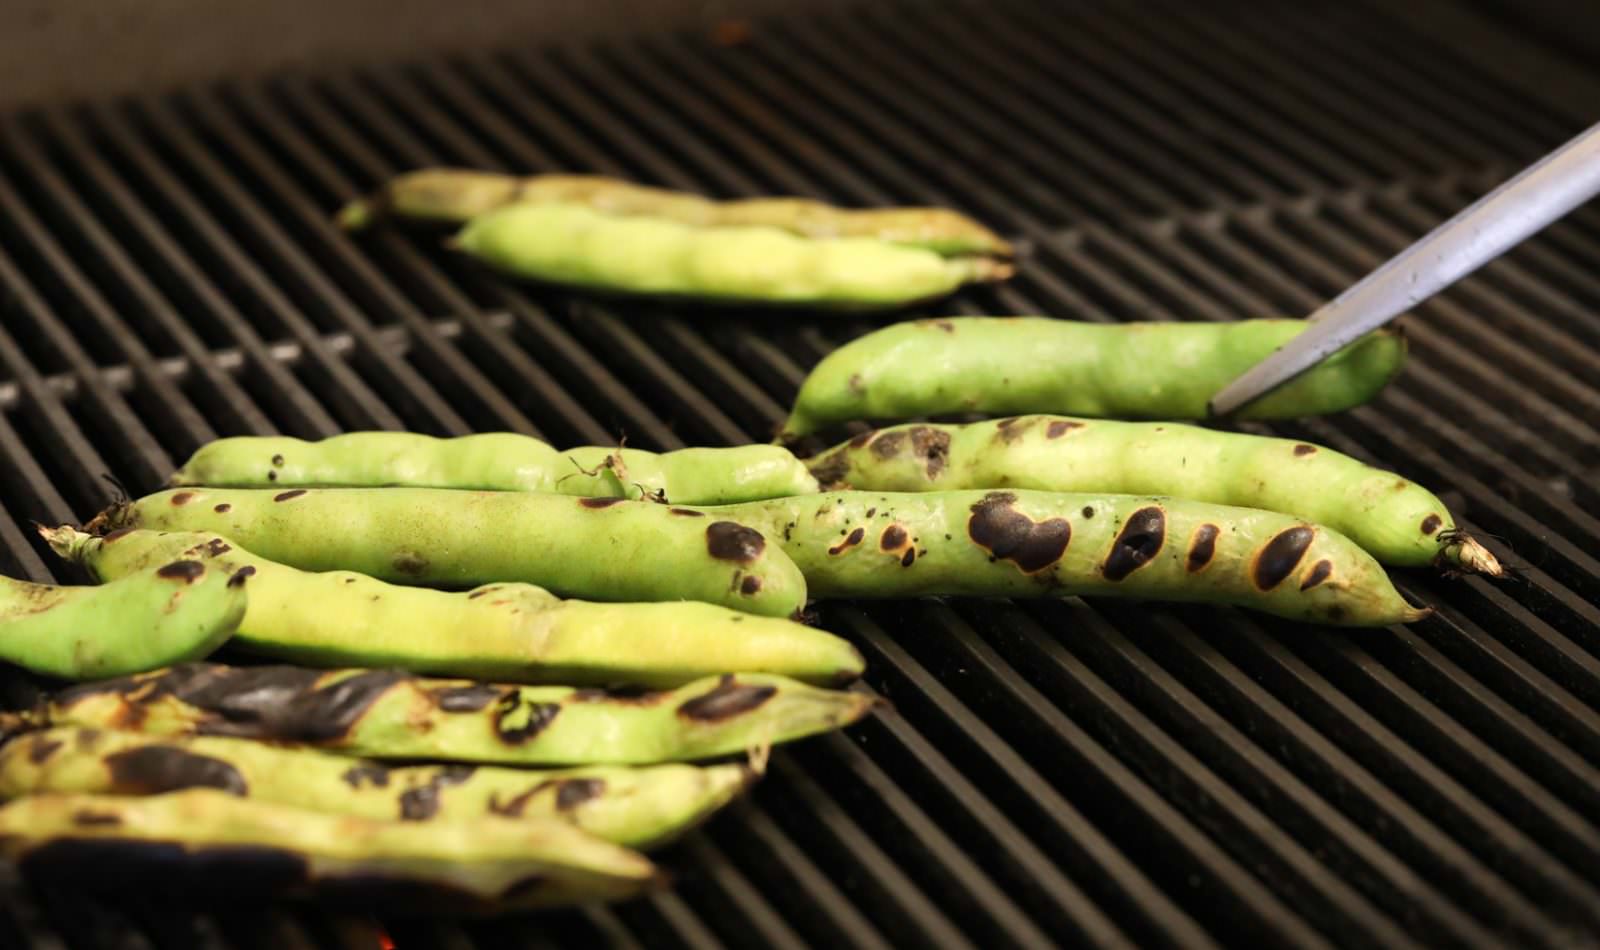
(1015, 365)
(577, 246)
(1021, 543)
(170, 611)
(1397, 521)
(207, 842)
(388, 714)
(641, 807)
(497, 461)
(590, 548)
(513, 632)
(457, 195)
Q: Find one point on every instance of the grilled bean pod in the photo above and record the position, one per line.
(206, 841)
(656, 257)
(589, 548)
(1055, 544)
(638, 807)
(1397, 521)
(169, 611)
(457, 195)
(388, 714)
(514, 632)
(497, 461)
(1014, 365)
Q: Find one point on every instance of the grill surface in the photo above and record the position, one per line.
(1105, 774)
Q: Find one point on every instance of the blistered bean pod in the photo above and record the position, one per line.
(498, 461)
(514, 632)
(638, 807)
(458, 195)
(655, 257)
(169, 611)
(1014, 365)
(388, 714)
(1397, 521)
(208, 842)
(590, 548)
(1054, 544)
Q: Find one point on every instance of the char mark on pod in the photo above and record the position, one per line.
(1320, 572)
(830, 472)
(598, 502)
(274, 702)
(1060, 427)
(1009, 535)
(518, 720)
(889, 444)
(1280, 556)
(1010, 430)
(241, 575)
(1137, 544)
(572, 792)
(41, 748)
(289, 495)
(465, 699)
(182, 498)
(726, 700)
(854, 538)
(153, 770)
(1303, 449)
(222, 508)
(186, 571)
(686, 513)
(422, 802)
(728, 541)
(932, 446)
(1202, 547)
(750, 586)
(114, 535)
(375, 774)
(1431, 524)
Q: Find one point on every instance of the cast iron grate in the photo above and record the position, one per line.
(1105, 774)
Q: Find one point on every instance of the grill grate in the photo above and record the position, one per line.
(1111, 775)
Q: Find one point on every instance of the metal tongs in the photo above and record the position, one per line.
(1489, 227)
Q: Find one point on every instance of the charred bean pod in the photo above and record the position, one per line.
(589, 548)
(1015, 365)
(457, 195)
(639, 807)
(496, 461)
(1397, 521)
(514, 632)
(208, 842)
(578, 247)
(1056, 544)
(389, 714)
(169, 611)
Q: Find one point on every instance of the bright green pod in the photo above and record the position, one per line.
(388, 714)
(1397, 521)
(169, 611)
(513, 632)
(207, 842)
(458, 195)
(589, 548)
(641, 807)
(497, 461)
(1016, 365)
(857, 544)
(579, 247)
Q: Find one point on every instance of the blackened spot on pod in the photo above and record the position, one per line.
(1060, 427)
(573, 792)
(465, 698)
(932, 446)
(289, 495)
(514, 807)
(862, 438)
(157, 769)
(728, 541)
(422, 802)
(277, 461)
(871, 512)
(831, 470)
(889, 444)
(1010, 430)
(1304, 449)
(1319, 573)
(1281, 555)
(1431, 524)
(1138, 542)
(186, 571)
(854, 538)
(1088, 511)
(517, 719)
(1008, 534)
(686, 513)
(182, 498)
(598, 502)
(369, 773)
(217, 547)
(41, 749)
(273, 702)
(480, 592)
(88, 817)
(241, 575)
(223, 508)
(630, 695)
(855, 384)
(114, 535)
(410, 562)
(726, 700)
(894, 538)
(907, 558)
(272, 476)
(945, 325)
(1202, 547)
(750, 586)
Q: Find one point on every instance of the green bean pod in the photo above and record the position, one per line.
(457, 195)
(1016, 365)
(207, 842)
(641, 807)
(169, 611)
(589, 548)
(1397, 521)
(1055, 544)
(388, 714)
(514, 632)
(497, 461)
(656, 257)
